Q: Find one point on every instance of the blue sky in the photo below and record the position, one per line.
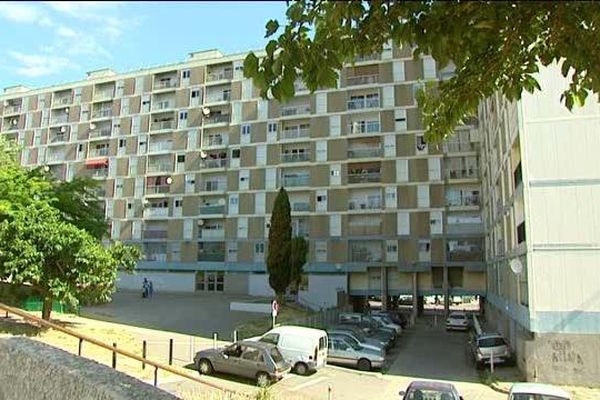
(45, 43)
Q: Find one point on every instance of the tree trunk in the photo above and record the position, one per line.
(47, 308)
(280, 298)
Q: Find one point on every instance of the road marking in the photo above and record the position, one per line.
(307, 384)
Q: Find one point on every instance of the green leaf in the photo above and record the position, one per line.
(271, 27)
(250, 65)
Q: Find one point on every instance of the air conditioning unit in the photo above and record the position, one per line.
(200, 222)
(63, 129)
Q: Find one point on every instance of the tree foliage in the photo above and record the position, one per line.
(278, 251)
(495, 46)
(299, 250)
(47, 242)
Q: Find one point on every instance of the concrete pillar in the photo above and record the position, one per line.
(384, 288)
(446, 289)
(415, 306)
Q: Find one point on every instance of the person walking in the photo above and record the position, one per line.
(150, 288)
(145, 288)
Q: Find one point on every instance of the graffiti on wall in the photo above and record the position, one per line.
(565, 356)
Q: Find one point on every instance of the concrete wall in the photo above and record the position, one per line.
(250, 307)
(322, 290)
(236, 283)
(33, 370)
(161, 281)
(258, 285)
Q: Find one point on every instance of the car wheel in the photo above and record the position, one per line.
(262, 379)
(364, 364)
(301, 369)
(205, 367)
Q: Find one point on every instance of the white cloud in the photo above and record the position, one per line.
(65, 32)
(83, 9)
(24, 13)
(36, 65)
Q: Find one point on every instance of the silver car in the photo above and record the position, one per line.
(255, 360)
(488, 346)
(349, 354)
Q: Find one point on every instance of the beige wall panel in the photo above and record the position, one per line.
(388, 171)
(182, 98)
(418, 170)
(405, 145)
(437, 251)
(387, 123)
(388, 226)
(413, 70)
(257, 179)
(320, 175)
(337, 150)
(413, 119)
(407, 251)
(407, 197)
(419, 224)
(385, 73)
(256, 228)
(196, 75)
(122, 167)
(232, 180)
(259, 132)
(236, 90)
(274, 109)
(319, 127)
(189, 251)
(319, 226)
(337, 199)
(74, 113)
(128, 86)
(404, 95)
(336, 101)
(86, 94)
(128, 187)
(135, 103)
(338, 251)
(249, 111)
(437, 197)
(191, 206)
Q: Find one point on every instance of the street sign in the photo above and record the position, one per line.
(274, 308)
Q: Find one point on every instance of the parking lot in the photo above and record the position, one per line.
(423, 351)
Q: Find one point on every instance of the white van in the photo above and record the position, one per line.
(304, 348)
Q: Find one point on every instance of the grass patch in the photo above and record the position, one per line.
(288, 313)
(487, 378)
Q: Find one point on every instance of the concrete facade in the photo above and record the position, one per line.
(34, 370)
(540, 189)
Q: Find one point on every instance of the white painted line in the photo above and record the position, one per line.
(307, 384)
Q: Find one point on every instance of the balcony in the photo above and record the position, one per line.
(464, 173)
(364, 177)
(365, 204)
(209, 233)
(464, 251)
(214, 163)
(459, 147)
(166, 84)
(156, 212)
(59, 119)
(215, 141)
(163, 105)
(364, 253)
(160, 167)
(295, 110)
(362, 80)
(359, 127)
(368, 57)
(364, 230)
(295, 157)
(59, 138)
(361, 103)
(215, 186)
(206, 255)
(217, 97)
(217, 119)
(155, 234)
(98, 172)
(104, 113)
(55, 157)
(158, 189)
(155, 257)
(62, 100)
(103, 94)
(99, 152)
(12, 109)
(301, 206)
(464, 228)
(161, 125)
(292, 181)
(212, 209)
(464, 200)
(219, 75)
(160, 146)
(101, 132)
(295, 133)
(365, 152)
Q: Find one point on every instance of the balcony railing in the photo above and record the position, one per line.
(359, 127)
(357, 104)
(101, 132)
(464, 228)
(160, 146)
(365, 255)
(217, 119)
(218, 163)
(300, 206)
(158, 189)
(15, 109)
(370, 204)
(211, 255)
(60, 119)
(465, 255)
(156, 257)
(295, 157)
(58, 138)
(212, 209)
(217, 97)
(103, 94)
(364, 177)
(295, 133)
(295, 110)
(103, 152)
(467, 200)
(465, 173)
(102, 113)
(160, 167)
(99, 172)
(361, 80)
(368, 57)
(63, 101)
(51, 157)
(291, 181)
(155, 234)
(160, 125)
(211, 233)
(365, 152)
(363, 230)
(163, 105)
(156, 212)
(216, 141)
(219, 75)
(214, 186)
(165, 84)
(458, 147)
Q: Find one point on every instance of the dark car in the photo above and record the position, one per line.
(430, 390)
(360, 335)
(256, 360)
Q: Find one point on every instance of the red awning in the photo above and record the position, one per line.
(97, 162)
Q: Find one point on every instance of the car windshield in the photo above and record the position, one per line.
(386, 320)
(277, 357)
(528, 396)
(430, 394)
(457, 316)
(352, 343)
(491, 342)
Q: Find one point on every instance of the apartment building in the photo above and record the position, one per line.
(190, 160)
(540, 176)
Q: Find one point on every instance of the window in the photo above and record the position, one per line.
(455, 277)
(335, 172)
(195, 93)
(178, 203)
(80, 148)
(322, 197)
(272, 127)
(391, 248)
(181, 158)
(252, 355)
(272, 338)
(235, 153)
(437, 277)
(259, 248)
(421, 145)
(183, 115)
(321, 251)
(185, 74)
(245, 129)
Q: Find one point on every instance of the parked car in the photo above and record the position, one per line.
(537, 391)
(304, 348)
(342, 351)
(457, 320)
(482, 347)
(368, 325)
(395, 316)
(261, 361)
(363, 338)
(387, 322)
(425, 390)
(358, 339)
